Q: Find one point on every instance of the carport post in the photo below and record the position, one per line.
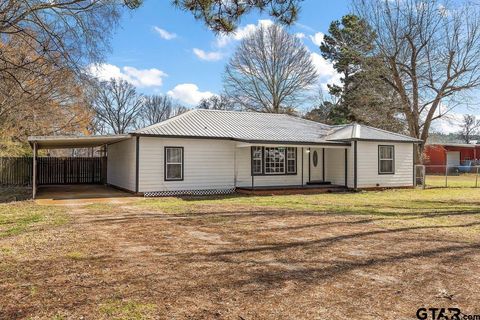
(34, 171)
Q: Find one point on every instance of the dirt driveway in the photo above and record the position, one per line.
(129, 261)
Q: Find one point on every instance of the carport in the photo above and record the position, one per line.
(66, 142)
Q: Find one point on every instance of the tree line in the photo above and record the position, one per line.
(403, 64)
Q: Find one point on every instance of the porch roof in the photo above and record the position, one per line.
(63, 142)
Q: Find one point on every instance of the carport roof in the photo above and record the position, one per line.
(63, 142)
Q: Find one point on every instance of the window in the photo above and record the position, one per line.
(270, 161)
(292, 160)
(274, 160)
(386, 159)
(257, 157)
(315, 158)
(173, 163)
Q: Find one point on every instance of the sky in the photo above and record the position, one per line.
(163, 50)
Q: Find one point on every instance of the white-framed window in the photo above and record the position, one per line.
(274, 160)
(291, 160)
(386, 159)
(173, 163)
(257, 160)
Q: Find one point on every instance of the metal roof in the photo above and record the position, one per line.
(357, 131)
(255, 126)
(63, 142)
(462, 145)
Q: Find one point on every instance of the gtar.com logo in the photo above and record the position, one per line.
(444, 314)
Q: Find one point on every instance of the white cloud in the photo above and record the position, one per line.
(208, 56)
(317, 38)
(324, 68)
(240, 33)
(449, 123)
(138, 77)
(164, 34)
(188, 93)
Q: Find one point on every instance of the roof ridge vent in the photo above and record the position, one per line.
(356, 130)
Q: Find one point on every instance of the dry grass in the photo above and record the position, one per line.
(372, 255)
(9, 194)
(464, 180)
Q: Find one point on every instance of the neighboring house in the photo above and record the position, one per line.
(210, 151)
(438, 156)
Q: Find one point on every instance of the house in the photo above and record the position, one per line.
(214, 152)
(438, 156)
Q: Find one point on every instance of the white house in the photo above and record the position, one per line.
(211, 151)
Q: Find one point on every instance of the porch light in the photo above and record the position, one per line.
(307, 151)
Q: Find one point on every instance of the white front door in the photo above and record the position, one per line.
(316, 164)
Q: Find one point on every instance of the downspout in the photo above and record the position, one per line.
(235, 166)
(346, 168)
(137, 164)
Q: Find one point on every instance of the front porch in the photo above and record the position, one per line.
(293, 189)
(295, 168)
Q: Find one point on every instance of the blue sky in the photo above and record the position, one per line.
(161, 49)
(164, 50)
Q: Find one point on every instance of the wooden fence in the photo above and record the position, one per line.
(16, 171)
(71, 170)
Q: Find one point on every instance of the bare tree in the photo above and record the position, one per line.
(431, 52)
(178, 110)
(66, 32)
(117, 104)
(470, 127)
(216, 102)
(269, 71)
(156, 108)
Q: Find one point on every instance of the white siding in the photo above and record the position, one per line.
(367, 168)
(121, 166)
(335, 166)
(208, 164)
(244, 177)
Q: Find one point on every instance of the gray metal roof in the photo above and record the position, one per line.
(62, 142)
(254, 126)
(357, 131)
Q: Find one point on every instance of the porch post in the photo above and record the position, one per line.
(355, 173)
(309, 164)
(34, 171)
(302, 167)
(323, 163)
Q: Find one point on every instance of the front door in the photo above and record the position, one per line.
(316, 164)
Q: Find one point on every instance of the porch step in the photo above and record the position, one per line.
(319, 182)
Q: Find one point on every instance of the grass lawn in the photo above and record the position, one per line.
(368, 255)
(8, 194)
(468, 180)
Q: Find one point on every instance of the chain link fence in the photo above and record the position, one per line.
(437, 176)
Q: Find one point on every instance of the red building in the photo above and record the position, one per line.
(437, 156)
